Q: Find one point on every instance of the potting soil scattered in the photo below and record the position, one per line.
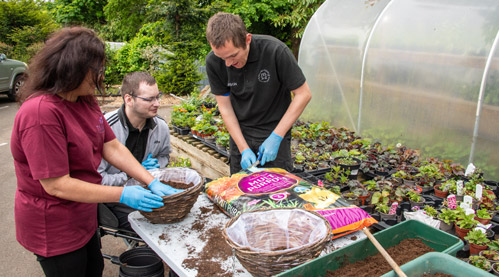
(407, 250)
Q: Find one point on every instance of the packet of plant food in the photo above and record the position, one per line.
(276, 188)
(451, 202)
(393, 208)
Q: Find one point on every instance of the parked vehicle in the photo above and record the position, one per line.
(11, 76)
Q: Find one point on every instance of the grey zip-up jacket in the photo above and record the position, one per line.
(158, 144)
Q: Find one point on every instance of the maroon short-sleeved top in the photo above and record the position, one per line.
(53, 137)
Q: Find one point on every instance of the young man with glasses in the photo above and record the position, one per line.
(137, 125)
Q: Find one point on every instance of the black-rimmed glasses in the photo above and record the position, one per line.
(149, 99)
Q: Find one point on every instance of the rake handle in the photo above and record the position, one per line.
(383, 252)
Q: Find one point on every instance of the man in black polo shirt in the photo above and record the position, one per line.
(252, 77)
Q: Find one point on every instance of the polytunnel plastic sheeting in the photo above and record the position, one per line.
(423, 68)
(331, 56)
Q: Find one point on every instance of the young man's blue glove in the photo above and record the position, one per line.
(269, 148)
(247, 158)
(140, 198)
(161, 189)
(150, 163)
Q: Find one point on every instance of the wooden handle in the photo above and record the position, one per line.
(383, 252)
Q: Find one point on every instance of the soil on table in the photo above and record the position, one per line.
(177, 185)
(407, 250)
(216, 249)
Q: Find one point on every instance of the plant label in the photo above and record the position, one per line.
(468, 200)
(470, 170)
(483, 230)
(451, 202)
(464, 206)
(460, 190)
(393, 208)
(479, 191)
(469, 211)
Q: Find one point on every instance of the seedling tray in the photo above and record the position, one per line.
(409, 229)
(436, 262)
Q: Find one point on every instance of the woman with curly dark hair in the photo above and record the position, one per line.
(58, 140)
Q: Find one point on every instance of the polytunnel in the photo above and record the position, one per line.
(423, 73)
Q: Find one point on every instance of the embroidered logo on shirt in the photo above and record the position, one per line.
(231, 84)
(157, 141)
(100, 127)
(264, 76)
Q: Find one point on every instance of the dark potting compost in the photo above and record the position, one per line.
(407, 250)
(177, 185)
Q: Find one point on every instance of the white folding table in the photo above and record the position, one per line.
(177, 242)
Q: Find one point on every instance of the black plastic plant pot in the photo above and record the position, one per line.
(176, 129)
(183, 130)
(354, 169)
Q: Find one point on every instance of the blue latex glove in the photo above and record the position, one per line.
(247, 158)
(269, 148)
(140, 198)
(150, 163)
(161, 189)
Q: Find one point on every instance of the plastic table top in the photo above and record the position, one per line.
(181, 241)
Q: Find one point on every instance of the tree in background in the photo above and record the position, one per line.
(283, 19)
(182, 23)
(24, 26)
(78, 12)
(124, 18)
(297, 19)
(164, 37)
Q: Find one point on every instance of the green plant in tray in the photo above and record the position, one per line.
(430, 211)
(494, 245)
(447, 215)
(480, 262)
(483, 213)
(467, 222)
(477, 237)
(414, 196)
(491, 255)
(382, 197)
(382, 208)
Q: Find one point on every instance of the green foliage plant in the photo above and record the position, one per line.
(403, 175)
(483, 213)
(494, 245)
(480, 262)
(477, 237)
(382, 208)
(430, 211)
(447, 215)
(467, 222)
(24, 27)
(382, 197)
(491, 255)
(414, 196)
(180, 162)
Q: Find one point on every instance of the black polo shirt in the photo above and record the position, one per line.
(260, 92)
(136, 141)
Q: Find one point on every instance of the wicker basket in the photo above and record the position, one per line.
(268, 242)
(178, 205)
